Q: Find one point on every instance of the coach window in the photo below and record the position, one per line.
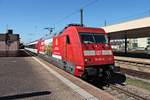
(67, 39)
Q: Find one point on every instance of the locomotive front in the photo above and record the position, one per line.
(97, 53)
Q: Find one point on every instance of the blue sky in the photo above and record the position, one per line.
(30, 17)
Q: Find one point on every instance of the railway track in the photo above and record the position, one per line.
(134, 69)
(133, 61)
(138, 64)
(122, 93)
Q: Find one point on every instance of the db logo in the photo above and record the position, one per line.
(98, 52)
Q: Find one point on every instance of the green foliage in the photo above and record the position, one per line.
(48, 50)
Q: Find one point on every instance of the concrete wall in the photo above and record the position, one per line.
(12, 47)
(2, 46)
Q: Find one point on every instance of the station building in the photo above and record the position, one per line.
(140, 42)
(9, 41)
(118, 44)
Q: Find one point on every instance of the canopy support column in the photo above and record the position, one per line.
(126, 43)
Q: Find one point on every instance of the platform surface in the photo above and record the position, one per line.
(24, 78)
(29, 77)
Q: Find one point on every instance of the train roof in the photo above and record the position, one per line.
(78, 27)
(81, 28)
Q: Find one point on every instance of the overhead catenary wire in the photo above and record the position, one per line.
(76, 11)
(68, 16)
(89, 4)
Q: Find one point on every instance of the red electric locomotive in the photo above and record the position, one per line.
(81, 51)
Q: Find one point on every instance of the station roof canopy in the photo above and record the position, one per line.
(132, 29)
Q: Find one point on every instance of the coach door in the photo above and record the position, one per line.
(65, 49)
(68, 55)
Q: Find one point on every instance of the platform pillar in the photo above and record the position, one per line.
(126, 43)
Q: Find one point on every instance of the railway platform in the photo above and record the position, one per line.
(28, 77)
(135, 60)
(135, 68)
(138, 64)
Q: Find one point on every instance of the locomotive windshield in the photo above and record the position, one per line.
(93, 38)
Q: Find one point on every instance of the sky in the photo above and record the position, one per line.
(30, 17)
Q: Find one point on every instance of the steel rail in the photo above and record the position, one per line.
(128, 93)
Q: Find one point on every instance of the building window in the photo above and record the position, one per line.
(148, 41)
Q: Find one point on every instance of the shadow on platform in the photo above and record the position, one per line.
(19, 53)
(25, 95)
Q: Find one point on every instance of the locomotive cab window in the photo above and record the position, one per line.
(100, 38)
(67, 39)
(88, 38)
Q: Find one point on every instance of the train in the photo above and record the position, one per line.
(82, 51)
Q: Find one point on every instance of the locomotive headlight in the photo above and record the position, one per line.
(78, 67)
(87, 59)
